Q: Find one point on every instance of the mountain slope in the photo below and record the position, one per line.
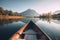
(29, 12)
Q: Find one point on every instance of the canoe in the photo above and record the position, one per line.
(30, 31)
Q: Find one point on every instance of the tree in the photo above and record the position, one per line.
(1, 11)
(6, 12)
(15, 13)
(10, 13)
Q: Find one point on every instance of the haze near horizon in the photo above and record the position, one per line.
(41, 6)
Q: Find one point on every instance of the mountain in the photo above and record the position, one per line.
(57, 12)
(29, 12)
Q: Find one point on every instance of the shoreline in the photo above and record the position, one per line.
(10, 17)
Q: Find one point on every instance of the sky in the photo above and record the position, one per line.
(41, 6)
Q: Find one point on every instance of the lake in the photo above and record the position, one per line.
(49, 26)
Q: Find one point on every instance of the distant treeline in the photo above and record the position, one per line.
(8, 12)
(56, 15)
(46, 15)
(49, 15)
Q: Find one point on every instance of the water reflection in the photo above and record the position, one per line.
(46, 19)
(6, 21)
(56, 20)
(25, 20)
(48, 25)
(52, 29)
(9, 27)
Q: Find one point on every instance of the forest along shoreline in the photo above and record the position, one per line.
(10, 17)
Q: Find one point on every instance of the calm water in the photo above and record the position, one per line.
(49, 26)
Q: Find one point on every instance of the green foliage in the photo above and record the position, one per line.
(8, 12)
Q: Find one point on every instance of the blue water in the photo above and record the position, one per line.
(9, 27)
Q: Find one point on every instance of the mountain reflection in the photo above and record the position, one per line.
(26, 20)
(46, 25)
